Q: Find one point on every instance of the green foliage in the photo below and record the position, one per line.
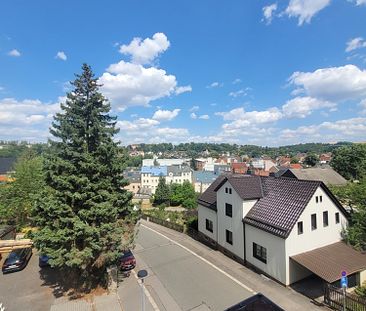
(311, 159)
(14, 149)
(183, 194)
(162, 192)
(84, 217)
(361, 290)
(354, 195)
(18, 196)
(294, 160)
(350, 161)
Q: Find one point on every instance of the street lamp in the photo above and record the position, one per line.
(141, 275)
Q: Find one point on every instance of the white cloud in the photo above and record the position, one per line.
(137, 125)
(61, 55)
(304, 10)
(362, 104)
(127, 84)
(353, 129)
(194, 108)
(215, 84)
(193, 115)
(242, 92)
(237, 81)
(145, 51)
(355, 43)
(334, 84)
(183, 89)
(358, 2)
(301, 107)
(14, 53)
(204, 117)
(165, 115)
(268, 12)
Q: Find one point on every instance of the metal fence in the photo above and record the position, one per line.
(335, 298)
(168, 224)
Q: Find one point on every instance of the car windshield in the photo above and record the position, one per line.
(127, 254)
(13, 256)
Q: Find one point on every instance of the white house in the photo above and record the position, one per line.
(286, 228)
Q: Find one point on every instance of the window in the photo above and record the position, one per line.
(260, 252)
(325, 219)
(316, 199)
(230, 191)
(313, 222)
(320, 199)
(337, 218)
(229, 237)
(300, 229)
(209, 225)
(226, 190)
(228, 210)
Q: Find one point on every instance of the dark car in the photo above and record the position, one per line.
(17, 259)
(127, 261)
(43, 261)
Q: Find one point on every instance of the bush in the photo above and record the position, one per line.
(361, 290)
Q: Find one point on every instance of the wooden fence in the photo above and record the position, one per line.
(334, 298)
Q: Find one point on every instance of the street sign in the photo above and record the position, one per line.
(344, 280)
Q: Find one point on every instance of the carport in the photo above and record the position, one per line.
(329, 261)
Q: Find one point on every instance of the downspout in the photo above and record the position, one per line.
(245, 258)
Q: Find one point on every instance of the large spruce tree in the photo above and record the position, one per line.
(85, 217)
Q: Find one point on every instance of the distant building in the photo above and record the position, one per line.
(164, 162)
(172, 174)
(134, 179)
(239, 168)
(202, 180)
(326, 174)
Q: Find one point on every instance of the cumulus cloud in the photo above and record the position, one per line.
(61, 55)
(204, 117)
(348, 129)
(127, 84)
(268, 12)
(358, 2)
(355, 43)
(183, 89)
(146, 51)
(165, 115)
(301, 107)
(193, 115)
(334, 84)
(194, 108)
(304, 10)
(242, 92)
(14, 53)
(237, 81)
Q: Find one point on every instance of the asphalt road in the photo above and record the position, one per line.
(25, 290)
(190, 281)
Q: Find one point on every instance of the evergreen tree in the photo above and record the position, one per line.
(86, 218)
(162, 192)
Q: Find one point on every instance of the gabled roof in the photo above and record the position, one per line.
(205, 177)
(280, 203)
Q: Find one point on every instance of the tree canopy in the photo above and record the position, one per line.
(162, 192)
(86, 218)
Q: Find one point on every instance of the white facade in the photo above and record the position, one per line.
(278, 250)
(164, 162)
(150, 181)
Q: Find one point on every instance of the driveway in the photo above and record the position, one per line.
(24, 290)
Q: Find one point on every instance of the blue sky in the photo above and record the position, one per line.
(248, 72)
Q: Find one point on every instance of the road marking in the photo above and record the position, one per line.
(204, 260)
(147, 293)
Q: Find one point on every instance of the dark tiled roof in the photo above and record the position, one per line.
(6, 165)
(208, 198)
(248, 187)
(327, 262)
(257, 302)
(284, 201)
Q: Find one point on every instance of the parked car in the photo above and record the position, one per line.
(43, 261)
(17, 259)
(127, 261)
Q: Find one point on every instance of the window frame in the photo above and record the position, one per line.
(260, 252)
(314, 224)
(209, 225)
(325, 219)
(300, 224)
(227, 205)
(229, 233)
(337, 218)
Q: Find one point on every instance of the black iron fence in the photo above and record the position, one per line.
(337, 300)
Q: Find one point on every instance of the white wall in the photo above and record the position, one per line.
(276, 254)
(203, 214)
(234, 223)
(312, 239)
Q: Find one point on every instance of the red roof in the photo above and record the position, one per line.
(296, 166)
